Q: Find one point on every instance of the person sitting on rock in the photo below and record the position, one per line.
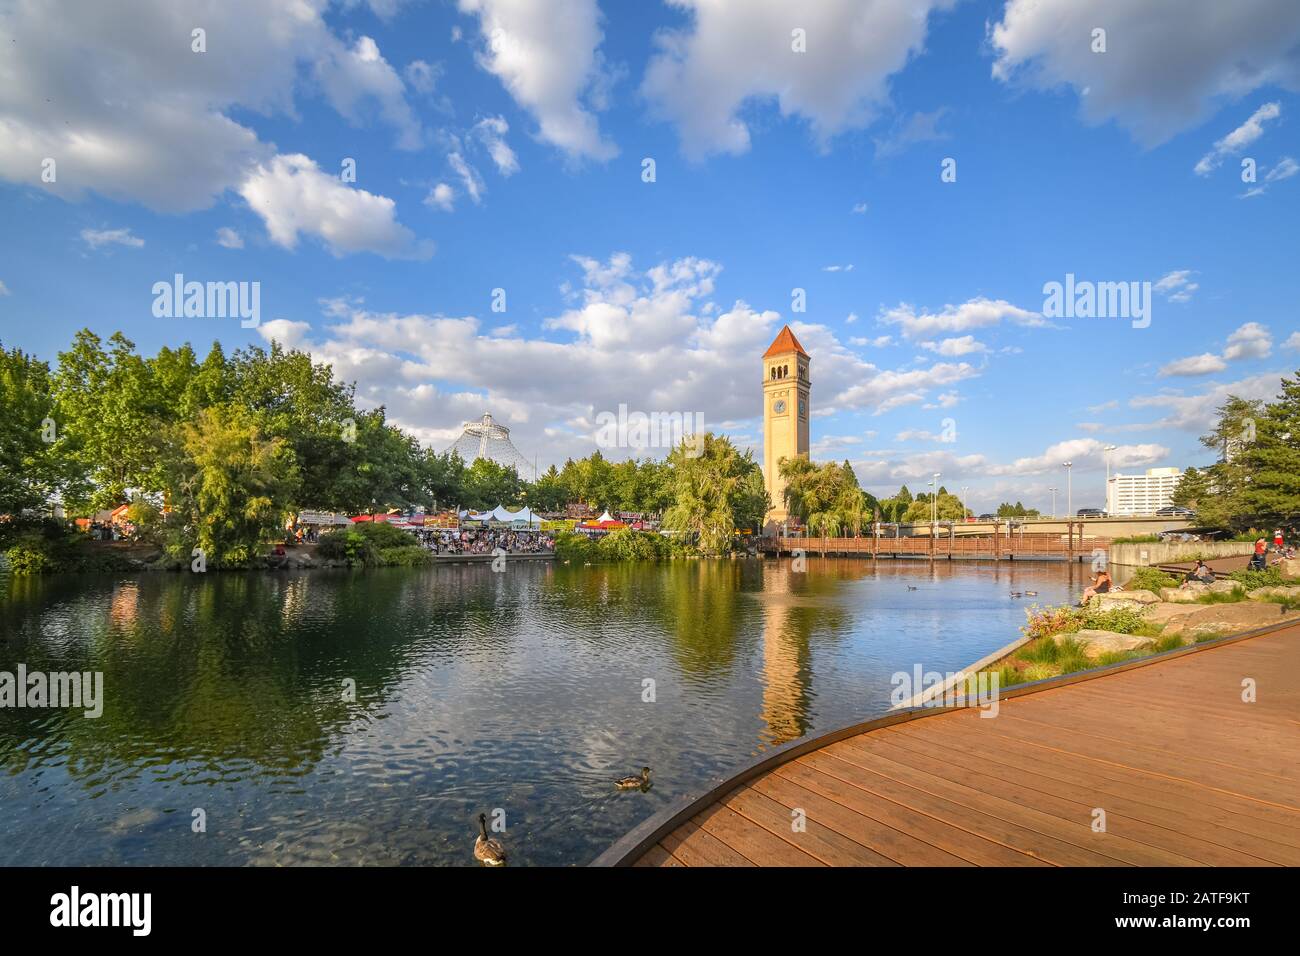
(1259, 558)
(1101, 584)
(1201, 574)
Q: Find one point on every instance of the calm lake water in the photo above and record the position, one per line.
(475, 690)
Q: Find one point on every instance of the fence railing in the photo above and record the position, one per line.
(940, 546)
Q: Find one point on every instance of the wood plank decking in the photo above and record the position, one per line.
(1186, 773)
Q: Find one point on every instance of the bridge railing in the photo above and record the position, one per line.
(1013, 545)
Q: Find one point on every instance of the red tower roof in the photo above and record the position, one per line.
(784, 343)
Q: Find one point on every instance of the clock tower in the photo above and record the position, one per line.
(785, 413)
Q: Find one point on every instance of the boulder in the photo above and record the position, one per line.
(1290, 567)
(1165, 611)
(1284, 591)
(1095, 643)
(1227, 618)
(1184, 595)
(1123, 599)
(1226, 586)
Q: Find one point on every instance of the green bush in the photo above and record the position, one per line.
(404, 556)
(1121, 620)
(346, 544)
(571, 546)
(1042, 621)
(51, 547)
(1269, 577)
(628, 545)
(1151, 579)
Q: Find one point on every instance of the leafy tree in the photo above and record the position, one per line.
(488, 484)
(712, 487)
(229, 485)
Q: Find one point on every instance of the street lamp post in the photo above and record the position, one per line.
(964, 489)
(1109, 449)
(934, 503)
(1053, 491)
(1069, 489)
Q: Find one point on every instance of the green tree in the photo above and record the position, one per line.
(229, 485)
(712, 488)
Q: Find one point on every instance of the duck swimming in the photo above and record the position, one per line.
(636, 781)
(488, 850)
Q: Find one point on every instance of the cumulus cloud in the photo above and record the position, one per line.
(644, 337)
(736, 52)
(973, 314)
(1292, 341)
(962, 345)
(441, 197)
(1250, 341)
(546, 55)
(4, 289)
(229, 238)
(353, 77)
(1167, 63)
(166, 137)
(110, 237)
(1204, 364)
(293, 197)
(1197, 413)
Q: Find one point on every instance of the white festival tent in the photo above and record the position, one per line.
(523, 518)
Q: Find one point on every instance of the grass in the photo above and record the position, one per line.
(1234, 596)
(1138, 539)
(1151, 579)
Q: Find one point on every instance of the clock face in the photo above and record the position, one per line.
(779, 406)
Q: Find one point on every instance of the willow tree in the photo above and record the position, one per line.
(713, 492)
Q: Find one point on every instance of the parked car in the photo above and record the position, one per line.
(1172, 511)
(1090, 513)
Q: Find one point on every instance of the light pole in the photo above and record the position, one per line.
(1053, 491)
(964, 489)
(1069, 489)
(934, 502)
(1109, 449)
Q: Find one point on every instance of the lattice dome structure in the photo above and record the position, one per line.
(484, 438)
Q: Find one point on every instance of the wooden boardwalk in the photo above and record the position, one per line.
(1185, 771)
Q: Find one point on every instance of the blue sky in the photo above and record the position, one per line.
(499, 144)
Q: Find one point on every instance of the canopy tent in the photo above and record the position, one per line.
(521, 519)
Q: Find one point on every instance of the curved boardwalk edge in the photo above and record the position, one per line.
(642, 838)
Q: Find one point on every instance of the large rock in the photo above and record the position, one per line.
(1227, 618)
(1284, 591)
(1095, 643)
(1226, 587)
(1290, 567)
(1164, 612)
(1188, 594)
(1123, 599)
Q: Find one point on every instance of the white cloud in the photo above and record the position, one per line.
(423, 76)
(1177, 286)
(469, 176)
(293, 196)
(1292, 341)
(441, 197)
(964, 345)
(733, 53)
(837, 268)
(1250, 341)
(640, 337)
(1197, 413)
(973, 314)
(546, 56)
(352, 77)
(1238, 139)
(4, 289)
(164, 137)
(229, 238)
(1167, 63)
(110, 237)
(859, 208)
(1204, 364)
(491, 131)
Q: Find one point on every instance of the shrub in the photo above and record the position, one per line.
(1151, 579)
(1269, 577)
(628, 545)
(404, 556)
(1042, 621)
(1121, 620)
(571, 546)
(345, 544)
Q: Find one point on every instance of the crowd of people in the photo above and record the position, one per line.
(486, 541)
